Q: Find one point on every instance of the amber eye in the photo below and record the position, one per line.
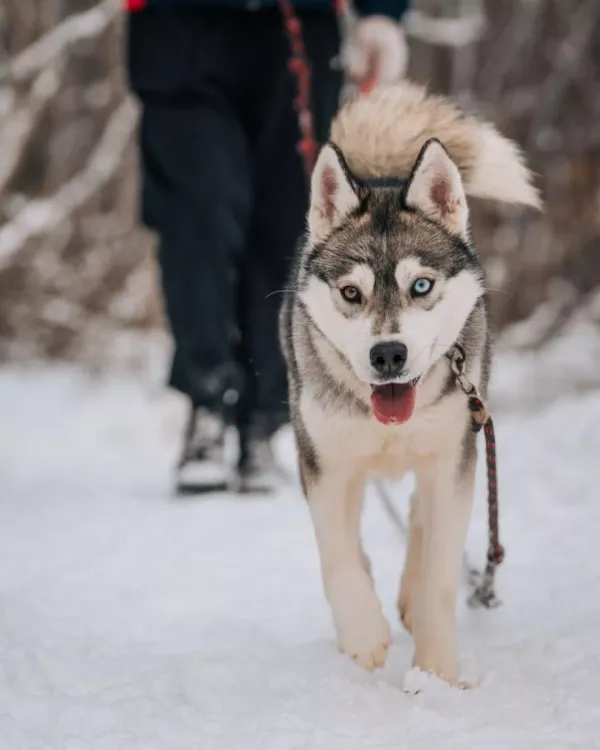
(351, 294)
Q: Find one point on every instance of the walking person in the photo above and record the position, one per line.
(223, 187)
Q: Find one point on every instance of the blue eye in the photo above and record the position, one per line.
(421, 287)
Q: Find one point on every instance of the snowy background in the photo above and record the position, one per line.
(133, 620)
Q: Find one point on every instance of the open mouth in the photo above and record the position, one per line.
(393, 403)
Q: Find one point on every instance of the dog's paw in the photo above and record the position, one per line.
(366, 639)
(364, 633)
(443, 667)
(416, 681)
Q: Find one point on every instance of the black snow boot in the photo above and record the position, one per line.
(203, 466)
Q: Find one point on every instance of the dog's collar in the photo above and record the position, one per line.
(383, 182)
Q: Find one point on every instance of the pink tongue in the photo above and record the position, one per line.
(393, 403)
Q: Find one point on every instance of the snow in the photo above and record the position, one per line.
(131, 620)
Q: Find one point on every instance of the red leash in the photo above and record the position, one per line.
(484, 592)
(299, 66)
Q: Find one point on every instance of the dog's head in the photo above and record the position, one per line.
(390, 275)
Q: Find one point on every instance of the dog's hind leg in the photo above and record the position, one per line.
(334, 500)
(355, 504)
(411, 576)
(446, 493)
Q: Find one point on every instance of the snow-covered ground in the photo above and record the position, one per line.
(130, 620)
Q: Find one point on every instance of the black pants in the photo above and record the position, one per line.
(223, 186)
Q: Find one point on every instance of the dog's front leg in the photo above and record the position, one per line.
(445, 494)
(411, 576)
(362, 631)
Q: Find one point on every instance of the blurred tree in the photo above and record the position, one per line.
(532, 67)
(74, 265)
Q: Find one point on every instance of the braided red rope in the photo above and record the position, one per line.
(299, 65)
(495, 549)
(484, 592)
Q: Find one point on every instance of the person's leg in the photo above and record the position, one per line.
(196, 195)
(196, 190)
(281, 199)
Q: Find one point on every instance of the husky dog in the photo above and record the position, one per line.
(386, 284)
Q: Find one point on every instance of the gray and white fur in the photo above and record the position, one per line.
(386, 283)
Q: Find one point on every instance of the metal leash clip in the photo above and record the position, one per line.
(479, 413)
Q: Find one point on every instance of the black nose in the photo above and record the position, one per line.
(389, 358)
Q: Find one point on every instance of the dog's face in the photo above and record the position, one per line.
(391, 279)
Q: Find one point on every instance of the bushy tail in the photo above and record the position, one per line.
(381, 134)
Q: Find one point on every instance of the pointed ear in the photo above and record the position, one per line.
(332, 194)
(435, 188)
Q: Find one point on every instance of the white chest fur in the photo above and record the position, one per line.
(384, 450)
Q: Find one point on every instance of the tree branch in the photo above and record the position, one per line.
(45, 50)
(39, 217)
(17, 128)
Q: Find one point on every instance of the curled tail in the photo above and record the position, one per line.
(381, 135)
